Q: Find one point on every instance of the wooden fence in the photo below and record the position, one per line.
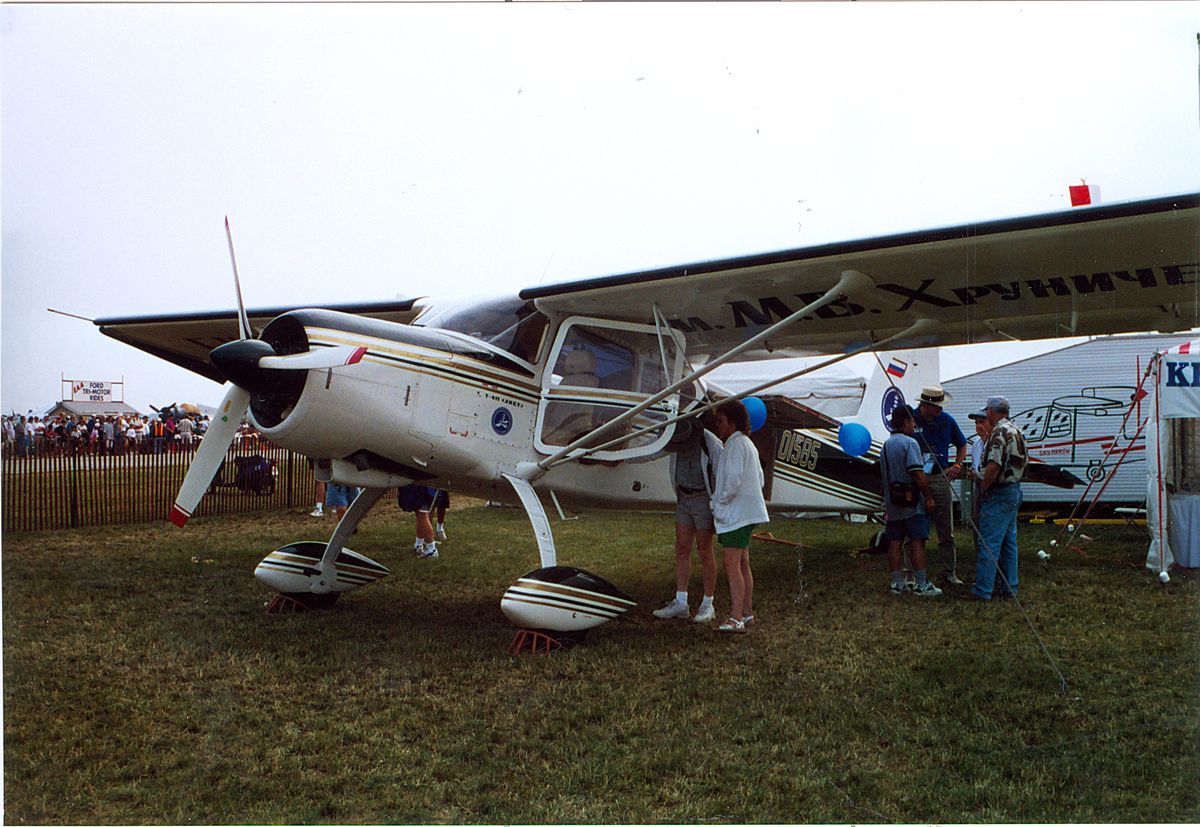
(74, 490)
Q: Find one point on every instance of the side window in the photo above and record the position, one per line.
(598, 373)
(1032, 423)
(613, 359)
(1059, 424)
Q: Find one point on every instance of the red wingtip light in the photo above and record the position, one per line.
(356, 356)
(178, 516)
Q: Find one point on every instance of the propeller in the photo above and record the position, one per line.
(245, 362)
(212, 451)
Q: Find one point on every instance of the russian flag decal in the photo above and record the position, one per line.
(897, 368)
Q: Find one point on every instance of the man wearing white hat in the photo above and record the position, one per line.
(936, 432)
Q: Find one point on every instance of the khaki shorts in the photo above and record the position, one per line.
(693, 511)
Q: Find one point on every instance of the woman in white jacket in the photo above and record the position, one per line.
(737, 506)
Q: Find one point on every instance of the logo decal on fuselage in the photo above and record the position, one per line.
(892, 399)
(502, 420)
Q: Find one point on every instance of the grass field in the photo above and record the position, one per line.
(143, 683)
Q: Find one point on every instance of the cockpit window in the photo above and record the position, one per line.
(512, 325)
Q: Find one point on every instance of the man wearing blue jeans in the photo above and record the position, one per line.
(1004, 461)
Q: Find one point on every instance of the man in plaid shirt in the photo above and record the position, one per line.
(1004, 460)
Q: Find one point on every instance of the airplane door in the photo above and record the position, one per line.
(598, 370)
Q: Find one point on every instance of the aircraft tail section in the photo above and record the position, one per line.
(897, 379)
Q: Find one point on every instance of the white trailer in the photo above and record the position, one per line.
(1070, 404)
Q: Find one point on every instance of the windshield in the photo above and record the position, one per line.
(512, 325)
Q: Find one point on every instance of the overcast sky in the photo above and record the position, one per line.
(365, 152)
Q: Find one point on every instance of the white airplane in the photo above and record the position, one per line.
(559, 391)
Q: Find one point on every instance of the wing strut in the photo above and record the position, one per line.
(849, 284)
(917, 328)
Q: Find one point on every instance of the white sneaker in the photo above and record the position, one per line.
(316, 512)
(928, 590)
(672, 609)
(428, 553)
(440, 534)
(705, 614)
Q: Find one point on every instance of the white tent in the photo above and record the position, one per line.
(834, 391)
(1173, 454)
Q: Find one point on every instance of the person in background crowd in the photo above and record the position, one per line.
(158, 430)
(339, 497)
(441, 502)
(319, 508)
(39, 436)
(185, 429)
(983, 430)
(693, 453)
(903, 474)
(418, 499)
(110, 435)
(1004, 460)
(10, 436)
(737, 507)
(935, 432)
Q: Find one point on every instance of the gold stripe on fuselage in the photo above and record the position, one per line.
(434, 363)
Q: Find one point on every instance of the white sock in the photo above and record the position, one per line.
(418, 543)
(681, 598)
(441, 526)
(319, 507)
(706, 602)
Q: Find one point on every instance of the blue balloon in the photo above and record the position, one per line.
(757, 410)
(855, 439)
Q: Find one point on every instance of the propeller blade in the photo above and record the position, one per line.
(326, 357)
(243, 319)
(212, 450)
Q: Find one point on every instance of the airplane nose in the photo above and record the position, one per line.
(238, 362)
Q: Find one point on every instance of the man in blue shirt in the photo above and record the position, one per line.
(936, 431)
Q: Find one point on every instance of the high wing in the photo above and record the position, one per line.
(1109, 269)
(186, 339)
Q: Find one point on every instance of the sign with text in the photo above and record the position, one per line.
(88, 390)
(1180, 384)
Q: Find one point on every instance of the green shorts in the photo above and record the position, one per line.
(738, 538)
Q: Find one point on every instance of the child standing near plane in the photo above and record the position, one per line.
(737, 507)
